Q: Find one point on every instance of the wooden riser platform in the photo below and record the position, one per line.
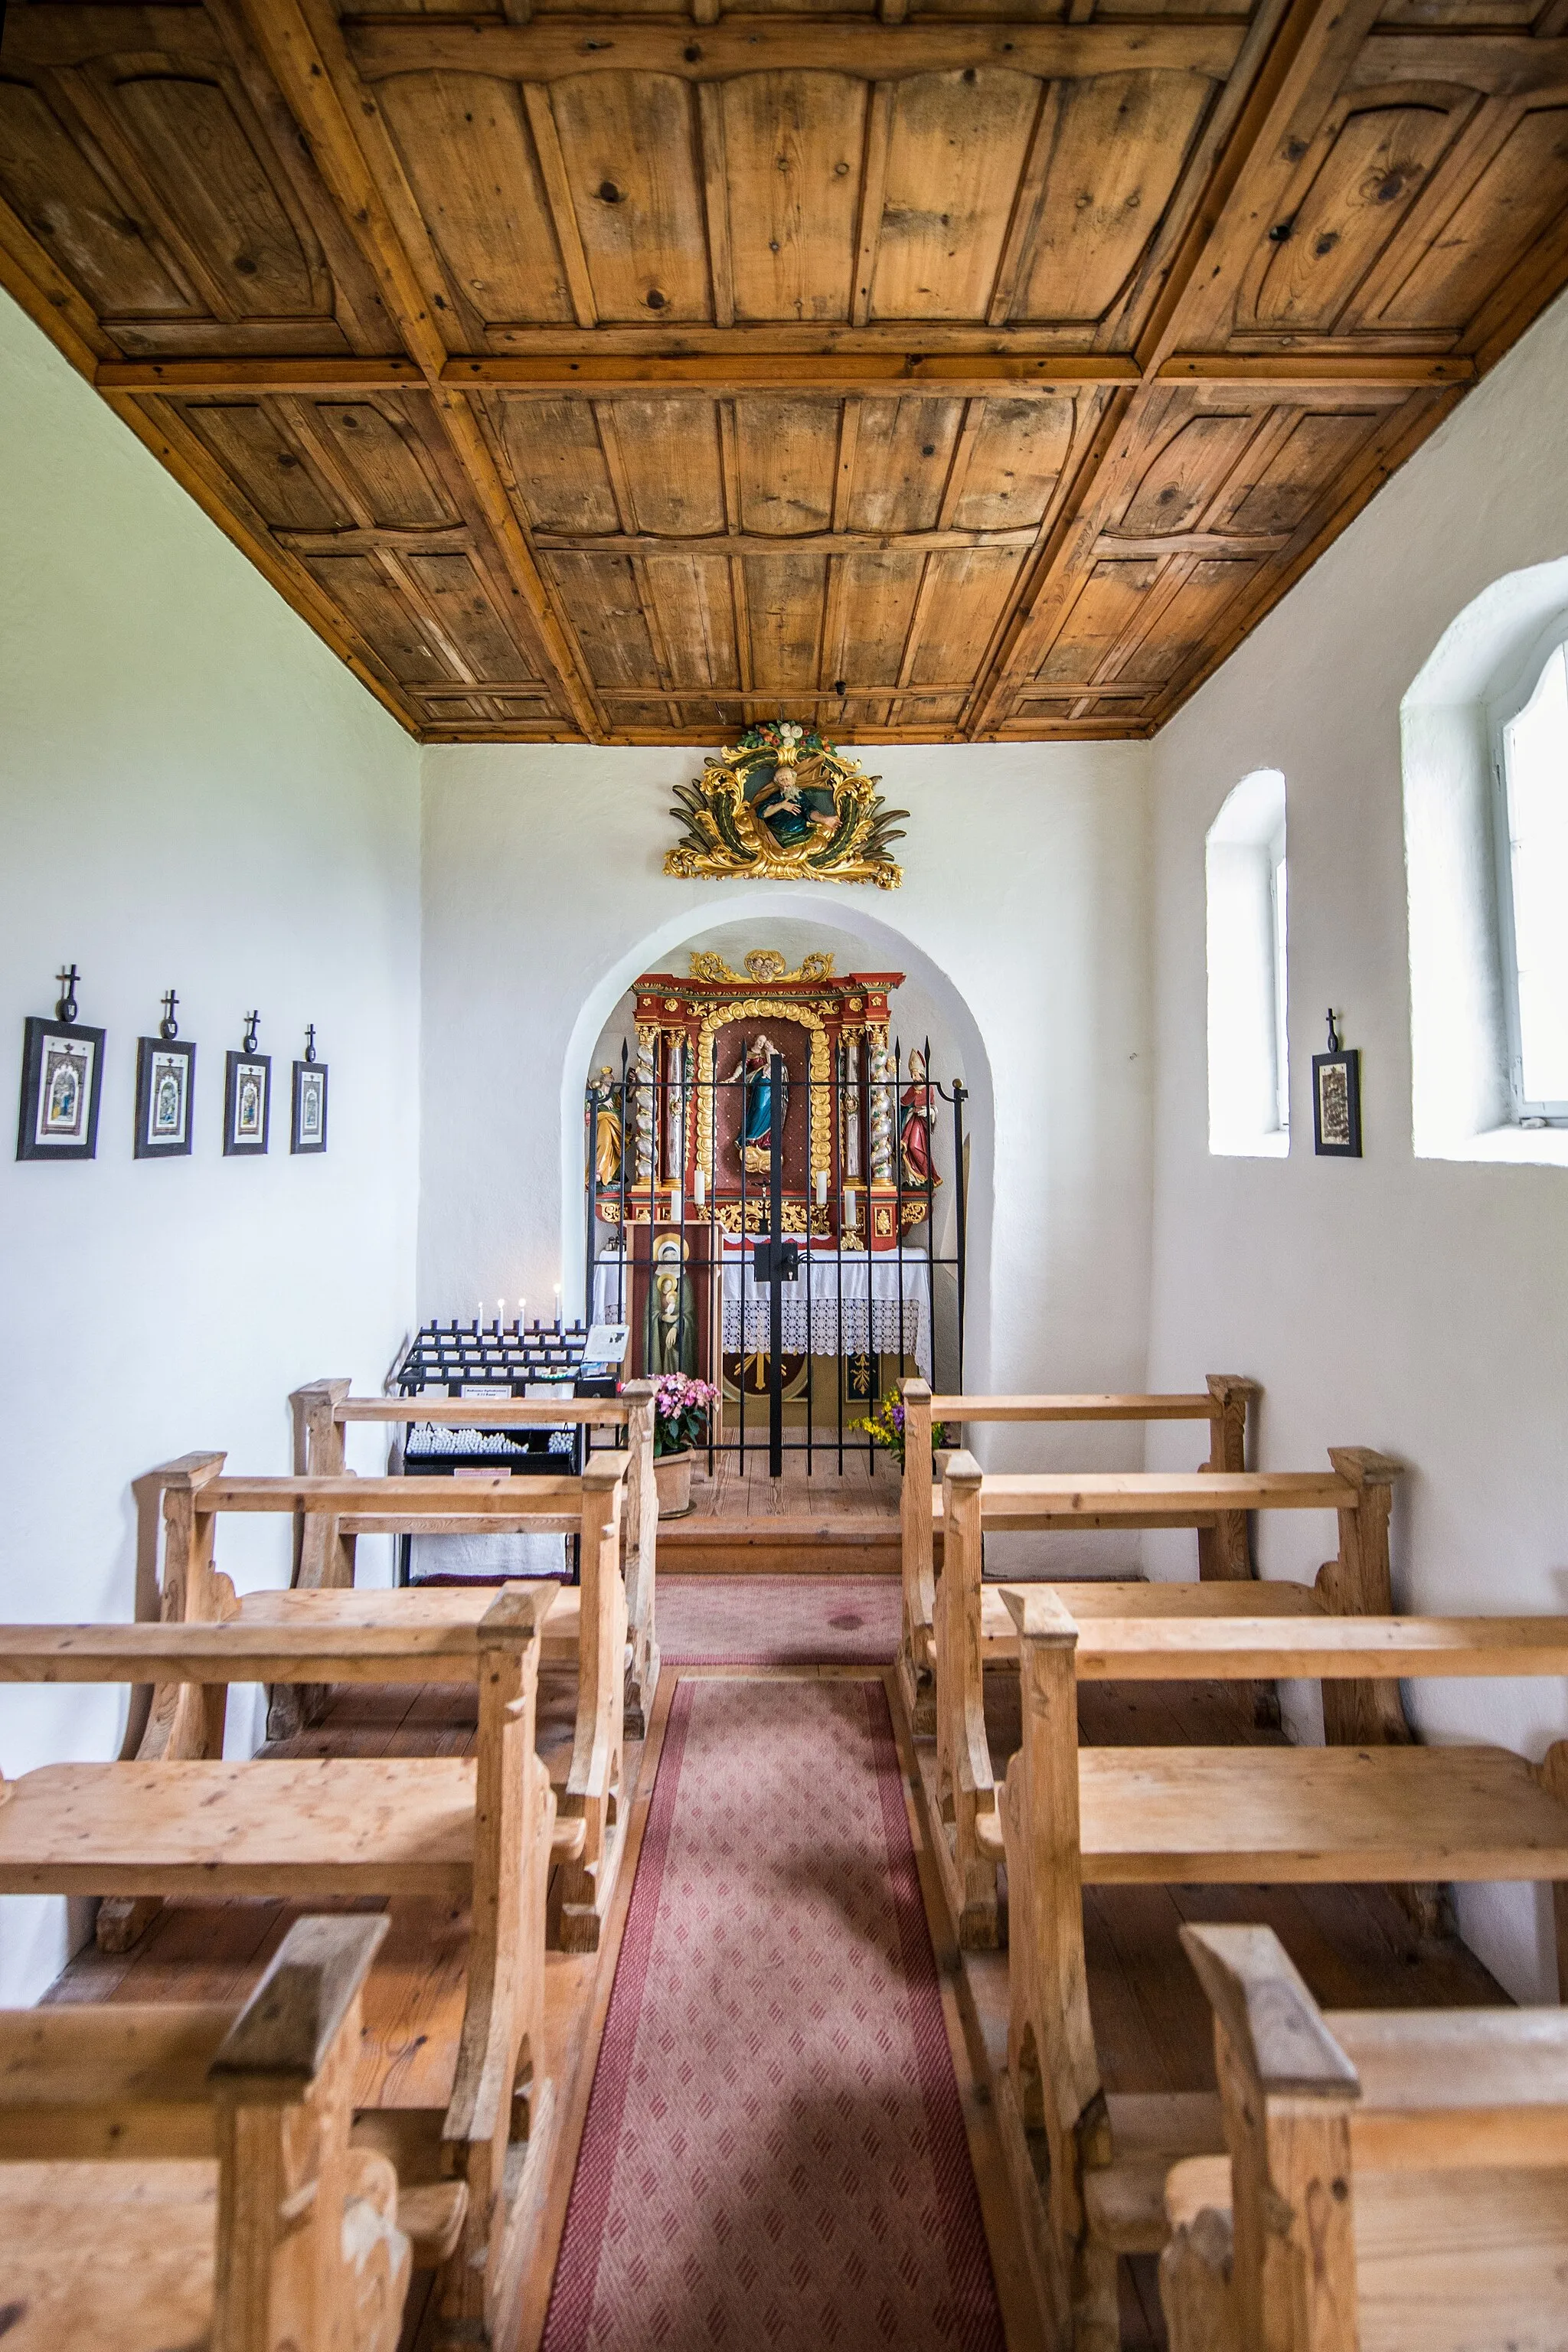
(745, 1523)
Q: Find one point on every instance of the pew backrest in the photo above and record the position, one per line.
(1407, 2195)
(305, 2246)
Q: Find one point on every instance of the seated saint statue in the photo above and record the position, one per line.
(793, 812)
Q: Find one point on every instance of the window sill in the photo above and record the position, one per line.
(1273, 1146)
(1525, 1147)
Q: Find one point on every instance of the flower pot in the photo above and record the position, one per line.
(672, 1476)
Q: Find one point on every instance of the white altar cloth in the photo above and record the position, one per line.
(851, 1306)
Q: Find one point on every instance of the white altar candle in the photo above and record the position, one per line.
(822, 1188)
(558, 1307)
(851, 1210)
(699, 1186)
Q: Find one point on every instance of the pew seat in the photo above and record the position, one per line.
(419, 1605)
(324, 1825)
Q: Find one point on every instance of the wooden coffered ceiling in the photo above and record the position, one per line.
(939, 372)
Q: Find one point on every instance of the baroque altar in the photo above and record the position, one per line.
(680, 1145)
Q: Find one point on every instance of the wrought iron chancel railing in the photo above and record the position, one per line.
(798, 1237)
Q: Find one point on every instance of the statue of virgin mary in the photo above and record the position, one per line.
(755, 1067)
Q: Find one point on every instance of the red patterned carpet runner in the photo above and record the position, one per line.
(775, 2155)
(778, 1620)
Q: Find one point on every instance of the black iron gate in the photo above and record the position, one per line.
(726, 1272)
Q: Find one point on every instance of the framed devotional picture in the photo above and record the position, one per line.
(1336, 1099)
(247, 1103)
(165, 1096)
(309, 1129)
(62, 1076)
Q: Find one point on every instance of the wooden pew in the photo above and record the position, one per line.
(1392, 2177)
(584, 1631)
(184, 2175)
(974, 1628)
(479, 1831)
(322, 1410)
(1223, 1550)
(1089, 2172)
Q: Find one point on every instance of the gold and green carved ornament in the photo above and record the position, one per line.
(784, 806)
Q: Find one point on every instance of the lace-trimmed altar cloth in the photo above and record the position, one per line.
(857, 1304)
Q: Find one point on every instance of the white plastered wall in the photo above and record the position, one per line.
(1023, 914)
(194, 793)
(1416, 1304)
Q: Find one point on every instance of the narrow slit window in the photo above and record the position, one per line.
(1248, 1048)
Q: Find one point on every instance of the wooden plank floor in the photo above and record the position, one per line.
(742, 1521)
(1356, 1946)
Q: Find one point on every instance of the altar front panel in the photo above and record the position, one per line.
(853, 1305)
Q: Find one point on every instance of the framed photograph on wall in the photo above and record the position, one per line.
(165, 1098)
(309, 1130)
(1336, 1099)
(62, 1076)
(246, 1105)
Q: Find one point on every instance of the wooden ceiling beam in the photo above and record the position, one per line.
(185, 378)
(551, 47)
(995, 375)
(814, 542)
(320, 91)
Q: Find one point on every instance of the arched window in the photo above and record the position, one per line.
(1249, 1078)
(1530, 763)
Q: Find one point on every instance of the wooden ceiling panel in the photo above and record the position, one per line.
(453, 591)
(944, 159)
(463, 141)
(558, 463)
(1199, 594)
(786, 461)
(875, 610)
(1377, 160)
(1296, 471)
(248, 441)
(388, 473)
(784, 597)
(607, 614)
(694, 598)
(784, 156)
(1516, 195)
(670, 465)
(627, 144)
(376, 607)
(88, 224)
(1115, 146)
(902, 458)
(962, 597)
(1017, 450)
(233, 215)
(931, 369)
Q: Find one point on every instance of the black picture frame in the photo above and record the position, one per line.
(55, 1121)
(309, 1135)
(162, 1064)
(237, 1143)
(1336, 1104)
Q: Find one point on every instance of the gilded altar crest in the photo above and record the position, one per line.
(784, 806)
